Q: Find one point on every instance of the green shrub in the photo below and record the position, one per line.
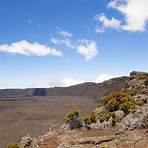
(112, 105)
(71, 115)
(122, 101)
(104, 117)
(87, 120)
(112, 101)
(105, 146)
(73, 120)
(13, 145)
(125, 107)
(90, 119)
(113, 115)
(132, 92)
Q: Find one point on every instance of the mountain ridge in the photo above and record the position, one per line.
(87, 89)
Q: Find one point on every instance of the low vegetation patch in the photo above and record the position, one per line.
(112, 109)
(90, 119)
(73, 119)
(120, 101)
(13, 145)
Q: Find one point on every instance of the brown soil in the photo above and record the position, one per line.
(35, 115)
(111, 137)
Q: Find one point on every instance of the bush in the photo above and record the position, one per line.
(122, 101)
(73, 119)
(112, 105)
(13, 145)
(72, 114)
(133, 92)
(113, 115)
(90, 119)
(87, 120)
(105, 117)
(111, 101)
(105, 146)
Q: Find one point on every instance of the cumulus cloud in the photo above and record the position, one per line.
(29, 49)
(87, 48)
(107, 23)
(135, 15)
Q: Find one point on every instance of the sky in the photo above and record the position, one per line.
(46, 43)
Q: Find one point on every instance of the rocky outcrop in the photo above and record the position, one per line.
(114, 128)
(138, 81)
(119, 114)
(139, 119)
(26, 141)
(111, 138)
(99, 125)
(141, 97)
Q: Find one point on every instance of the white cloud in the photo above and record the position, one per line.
(135, 15)
(65, 82)
(107, 23)
(87, 48)
(29, 49)
(67, 42)
(103, 77)
(135, 12)
(70, 81)
(62, 82)
(63, 33)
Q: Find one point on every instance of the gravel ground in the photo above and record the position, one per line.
(35, 115)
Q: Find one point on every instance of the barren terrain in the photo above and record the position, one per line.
(35, 115)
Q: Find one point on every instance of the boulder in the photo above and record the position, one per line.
(119, 115)
(139, 119)
(99, 125)
(141, 97)
(107, 123)
(48, 135)
(26, 141)
(99, 110)
(34, 143)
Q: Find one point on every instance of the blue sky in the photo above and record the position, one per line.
(65, 42)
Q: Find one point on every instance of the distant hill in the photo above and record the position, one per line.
(88, 89)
